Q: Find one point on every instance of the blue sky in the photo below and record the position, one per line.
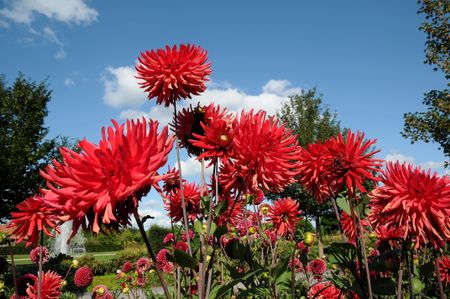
(365, 57)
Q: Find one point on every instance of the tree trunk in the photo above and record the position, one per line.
(319, 237)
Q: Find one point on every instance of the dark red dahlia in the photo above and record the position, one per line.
(126, 267)
(298, 266)
(34, 255)
(350, 162)
(414, 200)
(303, 248)
(318, 267)
(284, 215)
(324, 290)
(83, 277)
(101, 292)
(191, 199)
(23, 282)
(171, 180)
(51, 285)
(173, 73)
(142, 265)
(184, 236)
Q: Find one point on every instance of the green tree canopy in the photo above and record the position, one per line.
(24, 147)
(434, 124)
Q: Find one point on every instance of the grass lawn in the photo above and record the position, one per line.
(23, 259)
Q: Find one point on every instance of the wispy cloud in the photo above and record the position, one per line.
(69, 82)
(68, 11)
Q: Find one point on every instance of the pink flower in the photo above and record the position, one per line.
(34, 255)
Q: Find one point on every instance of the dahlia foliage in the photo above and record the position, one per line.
(234, 239)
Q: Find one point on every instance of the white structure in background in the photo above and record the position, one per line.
(76, 245)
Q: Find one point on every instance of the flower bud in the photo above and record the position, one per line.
(310, 238)
(75, 263)
(252, 230)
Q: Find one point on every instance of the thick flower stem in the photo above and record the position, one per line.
(41, 243)
(151, 253)
(410, 274)
(400, 275)
(13, 267)
(183, 202)
(438, 274)
(293, 273)
(361, 251)
(338, 218)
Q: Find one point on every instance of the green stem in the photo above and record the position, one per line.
(41, 243)
(410, 274)
(400, 275)
(439, 277)
(13, 267)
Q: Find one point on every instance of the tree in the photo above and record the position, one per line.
(24, 147)
(305, 115)
(434, 124)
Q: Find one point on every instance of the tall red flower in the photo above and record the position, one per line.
(34, 255)
(265, 155)
(312, 168)
(51, 286)
(191, 199)
(284, 215)
(350, 162)
(174, 73)
(444, 267)
(325, 290)
(98, 183)
(415, 201)
(32, 217)
(318, 267)
(217, 138)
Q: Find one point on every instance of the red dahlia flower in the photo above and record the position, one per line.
(184, 236)
(51, 286)
(163, 263)
(83, 277)
(284, 215)
(235, 216)
(265, 155)
(191, 199)
(350, 162)
(312, 167)
(298, 266)
(100, 182)
(142, 265)
(174, 73)
(325, 290)
(218, 133)
(318, 267)
(126, 267)
(32, 217)
(183, 246)
(101, 292)
(348, 227)
(169, 238)
(23, 282)
(172, 180)
(34, 255)
(415, 201)
(444, 267)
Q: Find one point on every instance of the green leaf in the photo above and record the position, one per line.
(418, 285)
(280, 268)
(343, 253)
(384, 286)
(184, 260)
(221, 207)
(342, 203)
(213, 228)
(198, 227)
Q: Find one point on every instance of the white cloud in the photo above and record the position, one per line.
(67, 11)
(191, 167)
(281, 88)
(122, 88)
(69, 82)
(51, 36)
(133, 114)
(396, 156)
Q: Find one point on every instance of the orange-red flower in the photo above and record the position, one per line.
(348, 227)
(265, 155)
(98, 183)
(284, 215)
(174, 73)
(191, 200)
(51, 286)
(32, 217)
(350, 162)
(325, 290)
(415, 201)
(444, 267)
